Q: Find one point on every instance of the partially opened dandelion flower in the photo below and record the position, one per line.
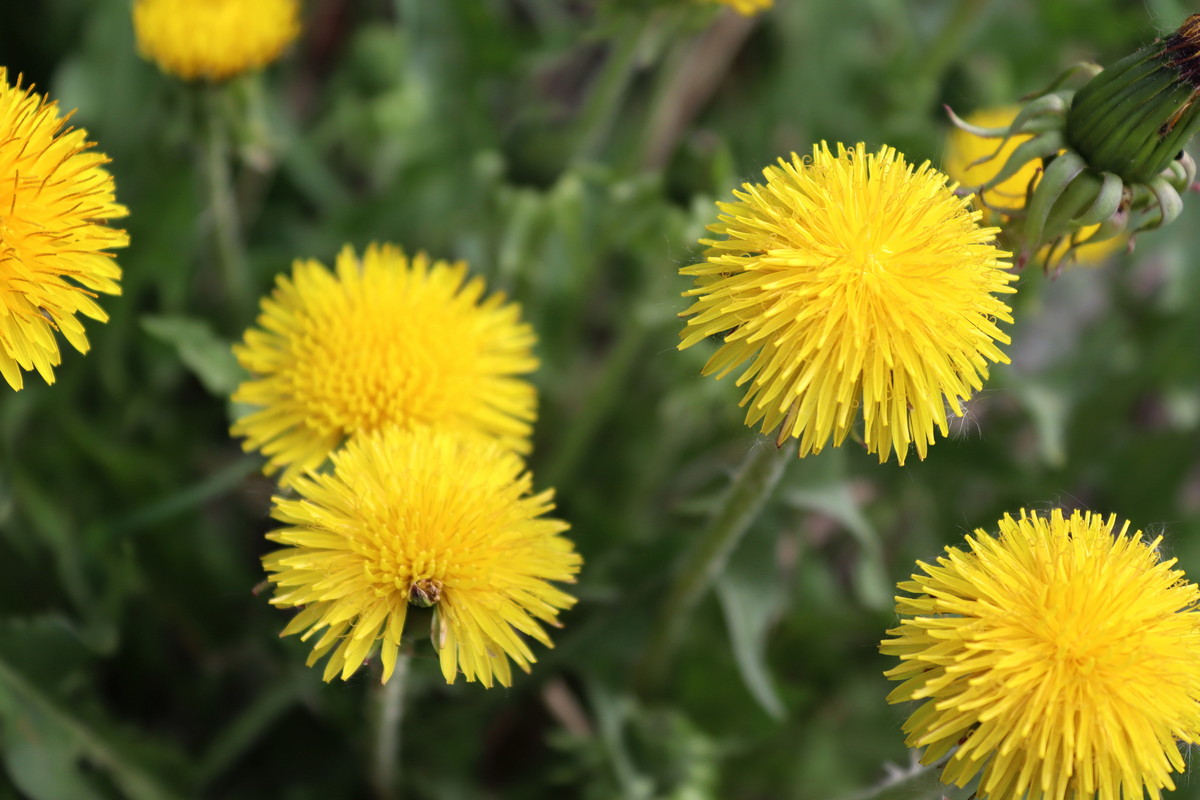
(384, 341)
(974, 160)
(846, 280)
(214, 39)
(423, 517)
(56, 199)
(1112, 153)
(1058, 659)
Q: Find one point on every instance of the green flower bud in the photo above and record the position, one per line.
(1111, 154)
(1133, 118)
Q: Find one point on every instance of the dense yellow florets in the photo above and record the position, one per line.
(384, 341)
(56, 199)
(846, 280)
(429, 518)
(1059, 659)
(214, 39)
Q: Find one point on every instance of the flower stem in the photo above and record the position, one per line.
(753, 486)
(602, 399)
(604, 100)
(385, 758)
(223, 202)
(692, 80)
(917, 780)
(951, 39)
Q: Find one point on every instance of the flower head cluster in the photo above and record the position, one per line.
(851, 279)
(56, 200)
(403, 375)
(1057, 659)
(422, 517)
(214, 39)
(385, 341)
(973, 160)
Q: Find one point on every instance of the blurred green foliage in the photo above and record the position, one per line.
(571, 150)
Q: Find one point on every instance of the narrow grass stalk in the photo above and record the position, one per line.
(580, 435)
(952, 38)
(608, 92)
(690, 83)
(223, 202)
(385, 756)
(752, 488)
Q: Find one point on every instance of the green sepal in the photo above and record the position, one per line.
(1059, 174)
(1043, 146)
(1108, 200)
(1133, 118)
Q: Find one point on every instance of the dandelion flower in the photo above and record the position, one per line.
(846, 280)
(746, 7)
(214, 39)
(385, 341)
(973, 161)
(422, 517)
(56, 199)
(1061, 658)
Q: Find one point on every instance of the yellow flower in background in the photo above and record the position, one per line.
(964, 149)
(1060, 659)
(56, 199)
(746, 7)
(214, 39)
(384, 341)
(422, 517)
(851, 280)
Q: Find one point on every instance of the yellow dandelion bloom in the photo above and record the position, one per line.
(56, 199)
(965, 149)
(423, 517)
(746, 7)
(214, 39)
(385, 341)
(846, 280)
(1059, 659)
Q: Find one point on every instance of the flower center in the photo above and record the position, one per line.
(425, 592)
(367, 362)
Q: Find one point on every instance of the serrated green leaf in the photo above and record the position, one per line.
(32, 714)
(41, 759)
(1050, 409)
(46, 645)
(208, 356)
(751, 601)
(836, 500)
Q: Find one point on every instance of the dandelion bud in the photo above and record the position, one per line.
(1133, 118)
(1110, 155)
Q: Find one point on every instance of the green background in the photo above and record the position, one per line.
(533, 138)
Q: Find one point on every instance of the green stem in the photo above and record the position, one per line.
(601, 400)
(223, 202)
(950, 40)
(689, 84)
(916, 781)
(385, 758)
(246, 730)
(751, 489)
(604, 100)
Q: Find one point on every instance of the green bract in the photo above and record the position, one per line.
(1112, 151)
